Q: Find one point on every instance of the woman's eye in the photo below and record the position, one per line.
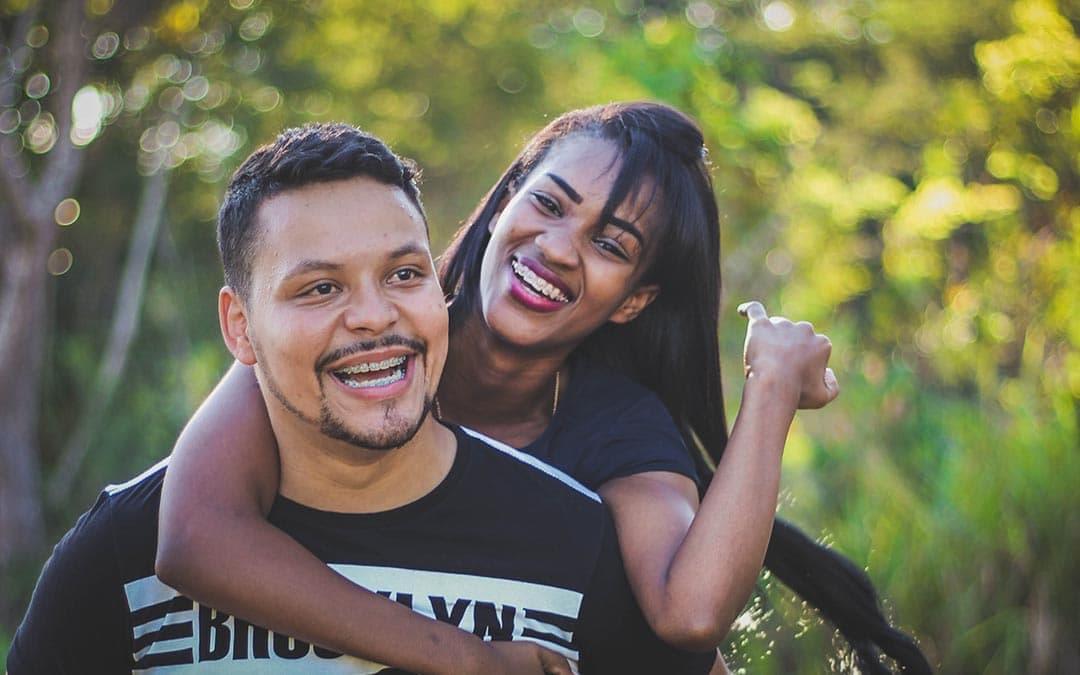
(325, 288)
(548, 204)
(612, 248)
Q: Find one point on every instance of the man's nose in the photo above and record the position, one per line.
(556, 244)
(370, 310)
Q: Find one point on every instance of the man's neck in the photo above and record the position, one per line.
(332, 475)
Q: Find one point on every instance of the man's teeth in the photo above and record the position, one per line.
(373, 367)
(393, 377)
(536, 283)
(395, 365)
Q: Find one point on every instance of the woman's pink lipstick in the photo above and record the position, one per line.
(536, 287)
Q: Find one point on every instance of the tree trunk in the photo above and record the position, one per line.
(23, 310)
(28, 231)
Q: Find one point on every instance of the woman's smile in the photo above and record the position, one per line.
(537, 287)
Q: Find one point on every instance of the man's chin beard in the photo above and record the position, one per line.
(395, 434)
(398, 434)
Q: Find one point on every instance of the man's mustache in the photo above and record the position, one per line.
(367, 346)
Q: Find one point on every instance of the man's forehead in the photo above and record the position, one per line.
(358, 218)
(350, 197)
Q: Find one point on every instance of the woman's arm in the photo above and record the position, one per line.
(216, 546)
(693, 574)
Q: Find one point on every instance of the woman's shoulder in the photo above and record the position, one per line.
(612, 426)
(605, 405)
(595, 386)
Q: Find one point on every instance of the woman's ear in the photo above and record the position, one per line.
(508, 194)
(234, 326)
(641, 298)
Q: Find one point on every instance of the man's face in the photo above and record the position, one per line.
(345, 322)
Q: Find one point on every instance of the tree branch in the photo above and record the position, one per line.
(19, 30)
(121, 334)
(16, 187)
(16, 260)
(63, 164)
(13, 170)
(32, 201)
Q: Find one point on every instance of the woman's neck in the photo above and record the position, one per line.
(496, 388)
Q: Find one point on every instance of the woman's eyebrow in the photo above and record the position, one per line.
(624, 225)
(570, 192)
(629, 228)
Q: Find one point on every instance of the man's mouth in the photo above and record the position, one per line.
(371, 374)
(537, 284)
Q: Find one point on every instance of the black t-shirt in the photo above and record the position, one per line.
(505, 547)
(608, 426)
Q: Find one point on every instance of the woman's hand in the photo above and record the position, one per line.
(790, 355)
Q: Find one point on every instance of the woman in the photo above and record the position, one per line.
(590, 269)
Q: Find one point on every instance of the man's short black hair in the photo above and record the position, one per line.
(314, 153)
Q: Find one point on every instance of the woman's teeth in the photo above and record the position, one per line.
(535, 283)
(396, 366)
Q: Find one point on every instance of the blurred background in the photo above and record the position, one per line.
(903, 173)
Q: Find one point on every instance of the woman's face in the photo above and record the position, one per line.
(552, 274)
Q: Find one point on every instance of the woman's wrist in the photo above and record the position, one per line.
(773, 390)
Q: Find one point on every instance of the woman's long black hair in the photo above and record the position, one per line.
(672, 347)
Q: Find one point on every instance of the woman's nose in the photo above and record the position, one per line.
(557, 247)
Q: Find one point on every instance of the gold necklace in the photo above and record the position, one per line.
(554, 400)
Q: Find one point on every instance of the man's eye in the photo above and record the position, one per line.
(405, 274)
(325, 288)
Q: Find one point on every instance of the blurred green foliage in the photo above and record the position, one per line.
(902, 173)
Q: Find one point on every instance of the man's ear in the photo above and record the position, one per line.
(234, 326)
(641, 298)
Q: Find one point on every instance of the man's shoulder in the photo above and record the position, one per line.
(78, 612)
(132, 506)
(121, 507)
(147, 481)
(120, 529)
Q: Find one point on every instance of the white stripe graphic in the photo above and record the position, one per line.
(147, 591)
(451, 585)
(472, 596)
(113, 489)
(535, 463)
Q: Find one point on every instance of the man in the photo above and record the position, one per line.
(332, 297)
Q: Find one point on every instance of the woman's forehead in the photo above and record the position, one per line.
(592, 161)
(587, 167)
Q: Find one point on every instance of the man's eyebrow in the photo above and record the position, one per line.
(570, 192)
(310, 265)
(411, 248)
(314, 265)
